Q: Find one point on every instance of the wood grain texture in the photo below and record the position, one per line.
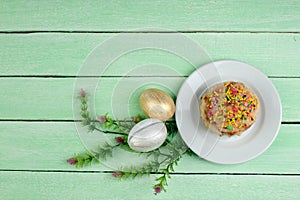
(51, 98)
(178, 15)
(53, 38)
(30, 185)
(63, 54)
(47, 145)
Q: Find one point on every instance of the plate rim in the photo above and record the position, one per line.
(275, 92)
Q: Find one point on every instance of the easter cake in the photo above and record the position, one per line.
(229, 108)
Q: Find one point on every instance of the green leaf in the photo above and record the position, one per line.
(85, 122)
(91, 127)
(126, 148)
(127, 175)
(171, 168)
(134, 175)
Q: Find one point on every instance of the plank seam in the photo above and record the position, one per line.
(177, 31)
(174, 173)
(72, 76)
(70, 120)
(110, 76)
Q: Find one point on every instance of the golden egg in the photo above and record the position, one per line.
(157, 104)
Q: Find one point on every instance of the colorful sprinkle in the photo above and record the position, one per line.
(229, 127)
(230, 104)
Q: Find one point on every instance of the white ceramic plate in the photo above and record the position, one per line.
(224, 149)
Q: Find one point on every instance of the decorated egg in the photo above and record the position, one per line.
(157, 104)
(147, 135)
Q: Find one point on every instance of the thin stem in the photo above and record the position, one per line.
(115, 146)
(163, 161)
(112, 132)
(163, 154)
(119, 125)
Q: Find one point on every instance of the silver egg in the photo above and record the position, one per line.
(147, 135)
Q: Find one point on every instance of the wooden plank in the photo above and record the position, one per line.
(29, 185)
(29, 98)
(63, 54)
(37, 145)
(47, 145)
(191, 15)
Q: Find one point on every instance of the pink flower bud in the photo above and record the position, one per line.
(82, 92)
(117, 174)
(101, 119)
(119, 140)
(157, 189)
(72, 161)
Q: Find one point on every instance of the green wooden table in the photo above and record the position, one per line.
(42, 47)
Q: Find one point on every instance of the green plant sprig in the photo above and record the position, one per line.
(162, 180)
(104, 124)
(162, 161)
(93, 157)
